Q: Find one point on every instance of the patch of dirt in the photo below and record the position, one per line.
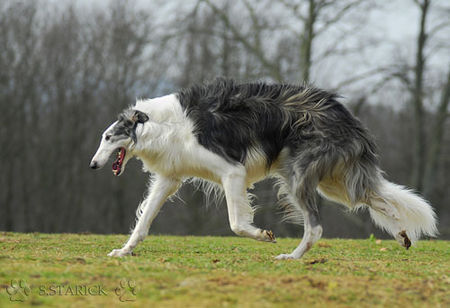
(8, 240)
(220, 281)
(317, 284)
(289, 280)
(79, 260)
(324, 245)
(316, 261)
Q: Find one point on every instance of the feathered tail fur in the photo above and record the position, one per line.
(396, 209)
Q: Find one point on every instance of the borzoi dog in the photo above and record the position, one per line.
(233, 135)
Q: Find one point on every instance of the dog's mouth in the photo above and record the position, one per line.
(117, 164)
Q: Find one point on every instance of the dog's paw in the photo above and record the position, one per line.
(404, 239)
(268, 236)
(119, 253)
(285, 256)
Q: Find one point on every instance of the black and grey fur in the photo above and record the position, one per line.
(126, 125)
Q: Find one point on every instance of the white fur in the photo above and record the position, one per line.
(400, 209)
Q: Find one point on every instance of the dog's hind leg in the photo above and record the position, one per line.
(240, 213)
(160, 190)
(302, 192)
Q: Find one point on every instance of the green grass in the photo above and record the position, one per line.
(171, 271)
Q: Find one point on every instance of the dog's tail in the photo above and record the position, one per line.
(397, 210)
(394, 208)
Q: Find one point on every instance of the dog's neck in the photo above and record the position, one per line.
(164, 109)
(166, 140)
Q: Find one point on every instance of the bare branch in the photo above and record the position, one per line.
(272, 67)
(438, 28)
(295, 8)
(358, 77)
(338, 16)
(255, 23)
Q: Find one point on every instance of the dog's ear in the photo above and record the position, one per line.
(139, 117)
(126, 120)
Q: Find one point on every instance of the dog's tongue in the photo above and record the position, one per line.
(117, 164)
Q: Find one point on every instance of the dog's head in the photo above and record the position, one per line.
(120, 137)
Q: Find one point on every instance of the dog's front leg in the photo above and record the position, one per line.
(240, 213)
(160, 190)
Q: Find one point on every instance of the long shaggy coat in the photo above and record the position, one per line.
(235, 134)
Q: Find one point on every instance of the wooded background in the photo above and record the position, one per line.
(68, 68)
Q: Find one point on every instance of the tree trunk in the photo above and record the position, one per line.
(436, 139)
(307, 40)
(417, 100)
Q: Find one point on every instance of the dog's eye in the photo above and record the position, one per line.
(107, 137)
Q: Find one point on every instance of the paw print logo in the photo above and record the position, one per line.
(18, 291)
(126, 291)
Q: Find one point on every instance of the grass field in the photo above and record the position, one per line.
(62, 269)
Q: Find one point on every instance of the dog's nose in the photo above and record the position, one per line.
(93, 165)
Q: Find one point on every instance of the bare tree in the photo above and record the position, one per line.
(436, 138)
(424, 163)
(314, 16)
(417, 92)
